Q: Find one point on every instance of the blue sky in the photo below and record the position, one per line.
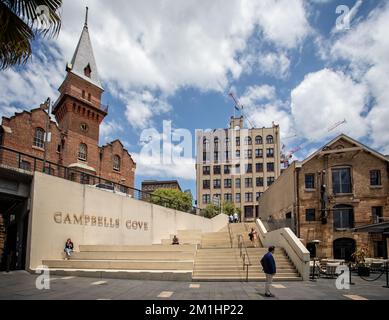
(177, 61)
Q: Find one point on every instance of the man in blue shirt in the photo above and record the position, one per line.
(269, 267)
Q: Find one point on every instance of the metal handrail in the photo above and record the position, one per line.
(244, 255)
(230, 232)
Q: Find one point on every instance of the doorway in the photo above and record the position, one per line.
(344, 248)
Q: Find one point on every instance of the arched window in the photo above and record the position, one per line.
(83, 152)
(205, 144)
(248, 141)
(343, 217)
(39, 138)
(116, 163)
(216, 141)
(258, 140)
(269, 139)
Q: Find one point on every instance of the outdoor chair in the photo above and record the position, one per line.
(330, 270)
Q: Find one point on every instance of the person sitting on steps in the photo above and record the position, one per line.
(175, 241)
(68, 249)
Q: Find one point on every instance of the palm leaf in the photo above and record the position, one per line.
(20, 25)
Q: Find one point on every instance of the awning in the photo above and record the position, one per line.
(382, 227)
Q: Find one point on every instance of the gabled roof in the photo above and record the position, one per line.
(352, 141)
(110, 144)
(83, 58)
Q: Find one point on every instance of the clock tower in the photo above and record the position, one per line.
(78, 110)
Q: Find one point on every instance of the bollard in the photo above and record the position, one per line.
(350, 271)
(387, 274)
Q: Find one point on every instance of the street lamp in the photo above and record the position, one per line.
(46, 106)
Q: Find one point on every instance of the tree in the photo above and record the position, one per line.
(210, 211)
(21, 22)
(173, 199)
(229, 208)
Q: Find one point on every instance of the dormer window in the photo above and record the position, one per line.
(88, 71)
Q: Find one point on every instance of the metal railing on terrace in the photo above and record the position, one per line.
(28, 164)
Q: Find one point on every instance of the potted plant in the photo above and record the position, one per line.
(359, 256)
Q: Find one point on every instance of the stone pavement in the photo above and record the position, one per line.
(20, 285)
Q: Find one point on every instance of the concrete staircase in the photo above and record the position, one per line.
(217, 261)
(185, 237)
(132, 262)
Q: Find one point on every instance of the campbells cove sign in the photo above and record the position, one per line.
(99, 221)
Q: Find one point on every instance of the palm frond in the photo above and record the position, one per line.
(20, 24)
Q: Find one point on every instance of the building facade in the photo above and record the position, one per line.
(152, 185)
(342, 186)
(73, 139)
(236, 165)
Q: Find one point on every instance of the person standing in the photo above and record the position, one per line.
(269, 267)
(236, 217)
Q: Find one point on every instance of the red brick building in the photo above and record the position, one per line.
(74, 137)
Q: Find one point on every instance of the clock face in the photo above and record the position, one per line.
(84, 127)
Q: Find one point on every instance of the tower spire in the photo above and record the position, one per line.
(86, 18)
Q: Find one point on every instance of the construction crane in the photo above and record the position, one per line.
(240, 107)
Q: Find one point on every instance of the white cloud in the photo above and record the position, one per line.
(142, 107)
(263, 108)
(109, 129)
(274, 64)
(325, 98)
(366, 48)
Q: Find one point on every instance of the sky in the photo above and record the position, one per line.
(305, 65)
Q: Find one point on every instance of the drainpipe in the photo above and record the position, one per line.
(297, 186)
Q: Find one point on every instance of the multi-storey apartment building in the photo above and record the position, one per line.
(332, 194)
(236, 165)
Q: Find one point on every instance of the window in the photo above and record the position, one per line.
(116, 163)
(341, 180)
(259, 153)
(227, 142)
(217, 184)
(228, 197)
(50, 171)
(227, 155)
(83, 94)
(375, 178)
(343, 217)
(259, 167)
(248, 197)
(84, 127)
(270, 167)
(310, 181)
(248, 141)
(237, 154)
(248, 182)
(259, 182)
(205, 156)
(310, 215)
(227, 169)
(227, 183)
(270, 181)
(237, 169)
(216, 156)
(248, 154)
(206, 199)
(25, 165)
(39, 138)
(206, 184)
(205, 144)
(249, 168)
(216, 142)
(89, 97)
(237, 183)
(237, 140)
(206, 170)
(270, 153)
(258, 140)
(216, 170)
(269, 140)
(83, 152)
(87, 71)
(377, 214)
(258, 196)
(238, 198)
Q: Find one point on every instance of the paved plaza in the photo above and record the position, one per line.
(21, 286)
